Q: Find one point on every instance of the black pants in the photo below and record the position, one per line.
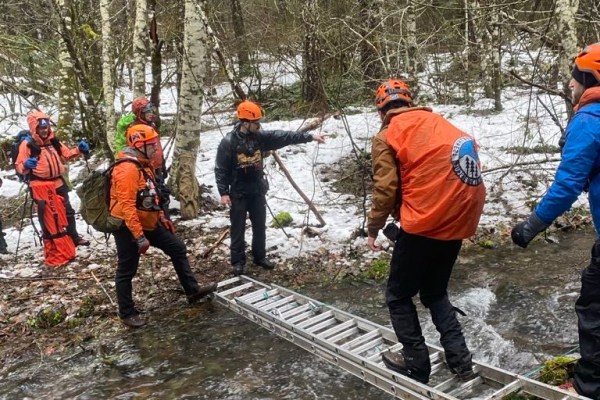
(3, 245)
(587, 307)
(63, 191)
(129, 258)
(255, 206)
(423, 265)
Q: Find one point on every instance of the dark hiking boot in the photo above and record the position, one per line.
(202, 293)
(396, 362)
(134, 321)
(464, 373)
(80, 241)
(266, 264)
(239, 269)
(3, 250)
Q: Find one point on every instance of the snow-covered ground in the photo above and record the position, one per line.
(496, 132)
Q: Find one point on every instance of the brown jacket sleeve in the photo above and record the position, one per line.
(386, 181)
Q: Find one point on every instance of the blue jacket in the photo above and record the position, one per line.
(580, 160)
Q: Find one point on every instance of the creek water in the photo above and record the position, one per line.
(519, 305)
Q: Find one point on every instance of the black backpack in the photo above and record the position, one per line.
(33, 147)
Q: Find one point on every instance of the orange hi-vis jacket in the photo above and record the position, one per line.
(128, 188)
(426, 170)
(50, 164)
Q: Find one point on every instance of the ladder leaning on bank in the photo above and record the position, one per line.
(356, 345)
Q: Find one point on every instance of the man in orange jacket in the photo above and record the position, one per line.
(135, 200)
(47, 164)
(426, 174)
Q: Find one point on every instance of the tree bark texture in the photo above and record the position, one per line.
(67, 89)
(565, 13)
(314, 90)
(140, 36)
(108, 73)
(187, 141)
(239, 31)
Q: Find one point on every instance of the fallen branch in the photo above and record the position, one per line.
(300, 192)
(216, 244)
(519, 165)
(102, 287)
(544, 88)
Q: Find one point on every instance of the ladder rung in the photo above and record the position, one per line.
(442, 386)
(278, 303)
(361, 339)
(301, 317)
(262, 296)
(336, 329)
(228, 281)
(270, 300)
(316, 319)
(436, 356)
(435, 367)
(251, 294)
(327, 323)
(465, 387)
(236, 289)
(294, 311)
(368, 346)
(502, 392)
(342, 335)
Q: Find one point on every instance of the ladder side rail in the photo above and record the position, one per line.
(393, 383)
(546, 391)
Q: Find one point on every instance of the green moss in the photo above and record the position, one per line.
(379, 269)
(48, 317)
(282, 219)
(557, 370)
(487, 244)
(75, 322)
(87, 307)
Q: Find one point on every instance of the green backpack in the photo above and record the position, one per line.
(122, 125)
(95, 198)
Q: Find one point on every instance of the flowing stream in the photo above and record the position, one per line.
(519, 305)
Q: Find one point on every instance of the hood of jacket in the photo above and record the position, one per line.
(128, 152)
(591, 95)
(32, 121)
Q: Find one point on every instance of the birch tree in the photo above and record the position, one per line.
(187, 140)
(67, 89)
(139, 48)
(370, 47)
(566, 30)
(108, 73)
(411, 53)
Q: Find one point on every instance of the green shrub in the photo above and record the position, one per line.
(48, 317)
(282, 219)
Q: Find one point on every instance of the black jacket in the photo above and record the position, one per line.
(239, 163)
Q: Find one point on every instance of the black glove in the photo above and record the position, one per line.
(143, 244)
(525, 231)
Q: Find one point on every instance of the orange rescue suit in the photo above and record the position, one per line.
(441, 188)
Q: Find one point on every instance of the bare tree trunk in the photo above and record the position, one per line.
(139, 48)
(411, 61)
(496, 60)
(314, 91)
(108, 73)
(237, 19)
(156, 56)
(565, 13)
(370, 48)
(483, 43)
(67, 90)
(187, 141)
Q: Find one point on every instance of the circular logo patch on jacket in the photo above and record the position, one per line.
(465, 161)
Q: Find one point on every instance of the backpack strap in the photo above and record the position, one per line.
(108, 176)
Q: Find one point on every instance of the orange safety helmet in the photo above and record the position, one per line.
(140, 134)
(589, 61)
(249, 111)
(392, 89)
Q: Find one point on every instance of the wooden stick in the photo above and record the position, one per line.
(102, 287)
(216, 244)
(300, 192)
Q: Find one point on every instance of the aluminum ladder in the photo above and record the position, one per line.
(355, 345)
